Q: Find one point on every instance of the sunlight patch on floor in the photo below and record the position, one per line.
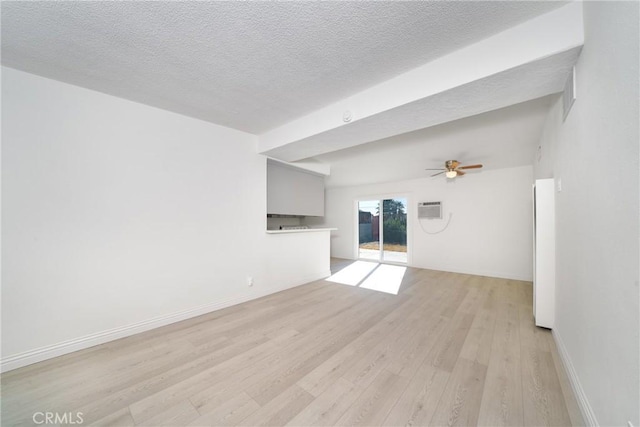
(353, 274)
(371, 275)
(386, 278)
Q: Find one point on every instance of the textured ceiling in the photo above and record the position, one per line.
(498, 139)
(251, 66)
(530, 81)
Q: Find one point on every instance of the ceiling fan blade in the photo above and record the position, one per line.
(438, 169)
(459, 172)
(439, 173)
(470, 167)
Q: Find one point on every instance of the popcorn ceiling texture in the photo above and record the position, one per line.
(251, 66)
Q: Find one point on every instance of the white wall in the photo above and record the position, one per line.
(118, 217)
(490, 232)
(595, 155)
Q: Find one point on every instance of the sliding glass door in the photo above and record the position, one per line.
(369, 229)
(394, 230)
(382, 230)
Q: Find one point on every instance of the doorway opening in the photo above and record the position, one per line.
(382, 230)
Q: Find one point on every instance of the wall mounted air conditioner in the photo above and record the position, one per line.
(430, 210)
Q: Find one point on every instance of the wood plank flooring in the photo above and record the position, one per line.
(448, 349)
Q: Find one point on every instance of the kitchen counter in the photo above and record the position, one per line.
(306, 230)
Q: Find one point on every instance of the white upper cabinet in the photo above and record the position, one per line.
(293, 191)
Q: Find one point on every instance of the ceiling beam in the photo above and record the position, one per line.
(525, 62)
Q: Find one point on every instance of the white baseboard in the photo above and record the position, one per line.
(448, 269)
(486, 273)
(585, 408)
(48, 352)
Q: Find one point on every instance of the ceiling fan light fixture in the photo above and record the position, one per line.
(451, 174)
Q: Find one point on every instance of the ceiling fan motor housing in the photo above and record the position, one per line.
(453, 169)
(451, 164)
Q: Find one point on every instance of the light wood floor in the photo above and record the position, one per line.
(449, 349)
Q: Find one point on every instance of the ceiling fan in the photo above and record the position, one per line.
(452, 169)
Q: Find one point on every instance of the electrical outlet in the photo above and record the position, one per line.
(249, 281)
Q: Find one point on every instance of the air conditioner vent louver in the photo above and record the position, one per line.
(569, 94)
(430, 210)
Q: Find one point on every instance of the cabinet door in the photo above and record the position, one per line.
(292, 191)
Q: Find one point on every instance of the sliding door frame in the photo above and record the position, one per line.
(356, 219)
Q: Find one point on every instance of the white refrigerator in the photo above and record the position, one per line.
(544, 253)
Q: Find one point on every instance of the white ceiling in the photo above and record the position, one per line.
(498, 139)
(251, 66)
